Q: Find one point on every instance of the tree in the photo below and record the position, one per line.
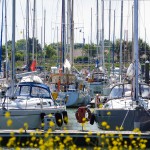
(50, 51)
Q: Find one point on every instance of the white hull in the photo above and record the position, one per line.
(33, 117)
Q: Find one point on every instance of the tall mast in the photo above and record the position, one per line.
(109, 35)
(103, 60)
(13, 47)
(113, 51)
(72, 34)
(91, 26)
(97, 33)
(27, 34)
(62, 56)
(6, 45)
(136, 51)
(120, 73)
(33, 46)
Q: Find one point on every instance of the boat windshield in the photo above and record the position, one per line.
(120, 91)
(124, 90)
(145, 91)
(31, 91)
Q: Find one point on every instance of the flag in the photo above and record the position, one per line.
(33, 65)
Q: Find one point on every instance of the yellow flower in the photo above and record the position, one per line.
(51, 124)
(41, 142)
(104, 123)
(42, 124)
(115, 143)
(57, 138)
(7, 114)
(87, 140)
(50, 115)
(109, 113)
(1, 139)
(9, 122)
(131, 136)
(89, 133)
(100, 106)
(33, 138)
(26, 125)
(142, 146)
(21, 130)
(107, 126)
(102, 136)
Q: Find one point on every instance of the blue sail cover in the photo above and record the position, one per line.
(97, 64)
(1, 37)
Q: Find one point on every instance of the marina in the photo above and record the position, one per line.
(72, 93)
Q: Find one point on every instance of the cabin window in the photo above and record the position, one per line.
(145, 91)
(39, 92)
(25, 90)
(116, 92)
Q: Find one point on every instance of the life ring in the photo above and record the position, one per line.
(81, 114)
(92, 119)
(59, 120)
(65, 117)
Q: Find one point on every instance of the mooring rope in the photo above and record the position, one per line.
(124, 119)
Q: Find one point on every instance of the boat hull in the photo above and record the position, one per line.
(76, 98)
(32, 117)
(123, 119)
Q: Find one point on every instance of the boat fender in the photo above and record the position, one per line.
(42, 116)
(65, 117)
(59, 120)
(81, 114)
(92, 119)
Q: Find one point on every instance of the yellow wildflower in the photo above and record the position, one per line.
(87, 140)
(26, 125)
(51, 124)
(104, 123)
(109, 113)
(9, 122)
(7, 114)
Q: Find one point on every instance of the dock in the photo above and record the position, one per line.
(80, 138)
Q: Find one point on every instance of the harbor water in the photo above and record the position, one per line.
(73, 123)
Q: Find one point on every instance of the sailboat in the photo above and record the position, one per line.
(69, 85)
(64, 81)
(25, 105)
(97, 79)
(127, 107)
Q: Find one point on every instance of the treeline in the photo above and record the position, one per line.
(89, 51)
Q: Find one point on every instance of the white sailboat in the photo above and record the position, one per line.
(127, 106)
(22, 104)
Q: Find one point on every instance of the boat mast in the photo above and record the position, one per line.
(109, 35)
(13, 47)
(103, 59)
(136, 52)
(6, 45)
(1, 37)
(62, 56)
(33, 46)
(120, 73)
(72, 35)
(97, 35)
(27, 35)
(113, 50)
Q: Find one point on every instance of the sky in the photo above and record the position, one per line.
(82, 20)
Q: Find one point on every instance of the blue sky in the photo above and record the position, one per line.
(82, 18)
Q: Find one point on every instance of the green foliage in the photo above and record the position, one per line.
(50, 51)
